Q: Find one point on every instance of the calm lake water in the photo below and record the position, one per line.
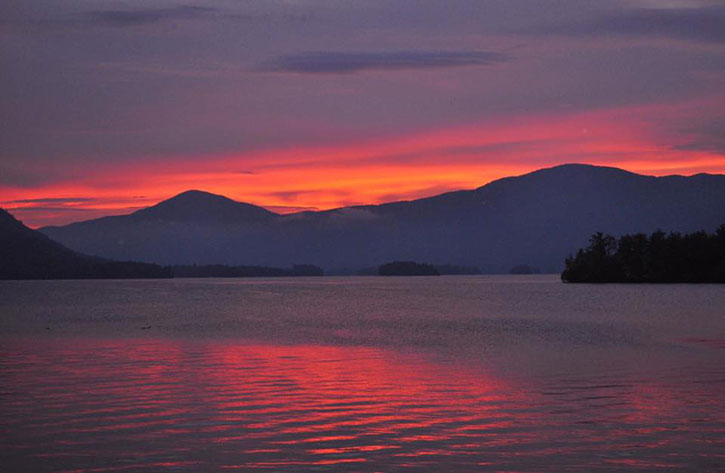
(361, 374)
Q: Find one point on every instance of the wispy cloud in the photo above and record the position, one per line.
(126, 18)
(45, 208)
(709, 135)
(53, 200)
(291, 195)
(289, 209)
(704, 24)
(338, 62)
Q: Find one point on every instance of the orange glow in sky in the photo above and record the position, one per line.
(376, 171)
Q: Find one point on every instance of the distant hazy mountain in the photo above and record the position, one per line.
(28, 254)
(536, 219)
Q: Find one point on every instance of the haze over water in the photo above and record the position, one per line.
(485, 373)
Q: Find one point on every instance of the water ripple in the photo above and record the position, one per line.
(86, 405)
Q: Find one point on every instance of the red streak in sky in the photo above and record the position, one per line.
(408, 167)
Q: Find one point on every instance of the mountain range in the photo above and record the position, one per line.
(28, 254)
(535, 219)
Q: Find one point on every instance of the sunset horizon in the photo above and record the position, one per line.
(64, 209)
(119, 106)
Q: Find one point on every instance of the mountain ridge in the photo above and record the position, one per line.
(536, 219)
(203, 206)
(28, 254)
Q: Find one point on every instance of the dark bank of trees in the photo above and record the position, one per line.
(657, 258)
(524, 269)
(223, 271)
(407, 268)
(72, 267)
(443, 270)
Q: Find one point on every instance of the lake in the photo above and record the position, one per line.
(369, 374)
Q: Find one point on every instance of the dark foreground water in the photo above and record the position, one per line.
(361, 374)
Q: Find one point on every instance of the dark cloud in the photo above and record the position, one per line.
(335, 62)
(706, 24)
(42, 208)
(294, 194)
(53, 200)
(289, 209)
(708, 136)
(124, 18)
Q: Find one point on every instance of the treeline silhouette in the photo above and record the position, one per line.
(443, 270)
(223, 271)
(81, 268)
(657, 258)
(524, 269)
(407, 268)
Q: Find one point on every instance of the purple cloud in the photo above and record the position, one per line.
(338, 62)
(706, 24)
(124, 18)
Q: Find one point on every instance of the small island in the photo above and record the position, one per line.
(407, 268)
(657, 258)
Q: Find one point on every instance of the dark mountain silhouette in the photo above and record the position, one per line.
(202, 207)
(538, 218)
(28, 254)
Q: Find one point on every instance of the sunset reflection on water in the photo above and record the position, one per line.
(96, 405)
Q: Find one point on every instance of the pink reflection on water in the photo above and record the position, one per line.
(156, 405)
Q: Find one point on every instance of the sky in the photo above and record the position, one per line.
(111, 106)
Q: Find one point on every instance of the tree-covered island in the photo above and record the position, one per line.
(657, 258)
